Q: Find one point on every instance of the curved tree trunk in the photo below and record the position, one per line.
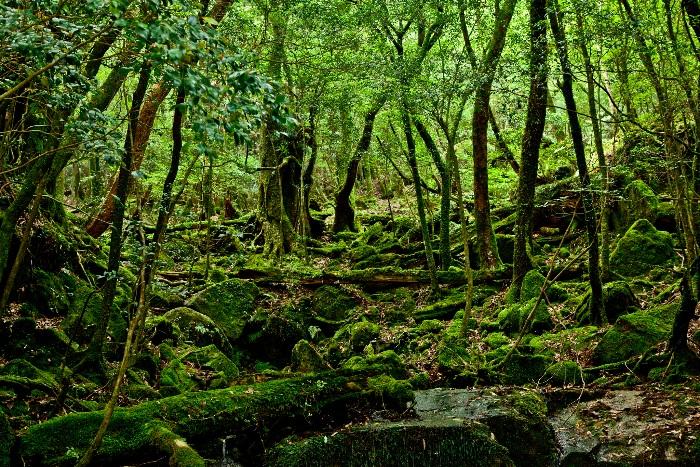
(596, 304)
(532, 138)
(486, 238)
(344, 212)
(100, 223)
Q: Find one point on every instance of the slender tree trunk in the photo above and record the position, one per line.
(532, 139)
(100, 223)
(600, 152)
(445, 191)
(344, 212)
(597, 309)
(148, 269)
(486, 238)
(427, 240)
(307, 175)
(94, 352)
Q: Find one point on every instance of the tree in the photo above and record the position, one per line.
(532, 139)
(486, 239)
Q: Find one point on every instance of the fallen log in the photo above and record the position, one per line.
(172, 425)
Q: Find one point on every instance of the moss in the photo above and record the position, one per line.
(442, 309)
(134, 431)
(565, 341)
(523, 368)
(363, 333)
(639, 202)
(86, 308)
(496, 340)
(175, 379)
(7, 440)
(184, 324)
(512, 318)
(387, 362)
(635, 333)
(332, 303)
(640, 249)
(21, 375)
(618, 299)
(452, 354)
(430, 326)
(306, 359)
(210, 358)
(229, 304)
(393, 392)
(435, 442)
(564, 373)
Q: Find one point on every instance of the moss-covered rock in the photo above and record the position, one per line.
(517, 419)
(641, 249)
(435, 443)
(19, 374)
(332, 303)
(7, 440)
(496, 340)
(230, 304)
(639, 202)
(618, 300)
(393, 392)
(185, 325)
(523, 368)
(221, 370)
(306, 358)
(387, 362)
(363, 333)
(512, 318)
(564, 373)
(635, 333)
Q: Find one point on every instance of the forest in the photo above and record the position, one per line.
(349, 233)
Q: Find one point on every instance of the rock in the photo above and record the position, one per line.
(513, 317)
(363, 333)
(641, 249)
(564, 373)
(7, 440)
(618, 300)
(223, 369)
(392, 392)
(184, 324)
(639, 202)
(230, 304)
(635, 333)
(517, 420)
(332, 303)
(387, 362)
(435, 443)
(272, 333)
(21, 375)
(524, 368)
(306, 359)
(618, 429)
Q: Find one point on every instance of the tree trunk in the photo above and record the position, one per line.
(100, 223)
(532, 139)
(445, 191)
(486, 238)
(277, 228)
(427, 240)
(344, 212)
(597, 309)
(600, 152)
(94, 352)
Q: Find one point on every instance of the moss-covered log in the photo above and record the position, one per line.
(156, 428)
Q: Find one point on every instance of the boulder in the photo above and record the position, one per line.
(230, 304)
(635, 333)
(641, 249)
